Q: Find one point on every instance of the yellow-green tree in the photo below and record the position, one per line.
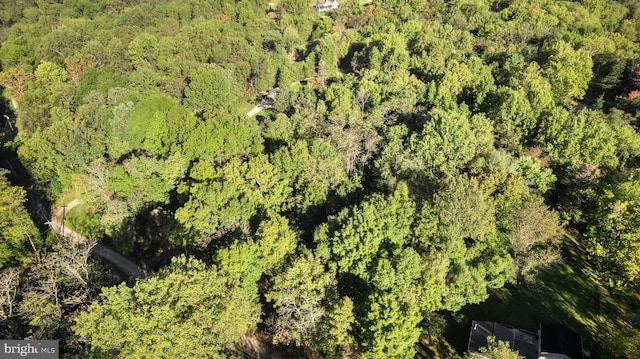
(18, 234)
(495, 350)
(568, 70)
(187, 310)
(613, 234)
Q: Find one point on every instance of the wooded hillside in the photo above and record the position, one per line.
(415, 156)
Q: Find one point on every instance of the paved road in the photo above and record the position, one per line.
(121, 262)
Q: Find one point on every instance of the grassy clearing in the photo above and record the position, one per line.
(80, 218)
(243, 106)
(567, 293)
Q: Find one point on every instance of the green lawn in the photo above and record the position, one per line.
(83, 220)
(242, 106)
(567, 293)
(80, 218)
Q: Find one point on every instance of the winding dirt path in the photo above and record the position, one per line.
(42, 217)
(126, 266)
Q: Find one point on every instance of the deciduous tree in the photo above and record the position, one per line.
(18, 234)
(210, 88)
(298, 295)
(568, 70)
(495, 350)
(186, 310)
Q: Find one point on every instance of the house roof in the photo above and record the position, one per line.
(526, 343)
(326, 4)
(558, 339)
(553, 341)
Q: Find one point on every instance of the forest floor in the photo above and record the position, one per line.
(567, 293)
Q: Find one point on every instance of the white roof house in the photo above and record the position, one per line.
(325, 5)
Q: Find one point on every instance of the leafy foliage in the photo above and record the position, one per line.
(413, 156)
(186, 310)
(18, 234)
(495, 350)
(612, 236)
(353, 240)
(297, 295)
(210, 88)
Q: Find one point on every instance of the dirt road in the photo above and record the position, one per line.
(127, 267)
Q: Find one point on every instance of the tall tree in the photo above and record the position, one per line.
(449, 140)
(352, 241)
(613, 234)
(18, 234)
(391, 328)
(568, 70)
(186, 310)
(223, 198)
(210, 88)
(298, 295)
(332, 337)
(494, 350)
(59, 282)
(533, 235)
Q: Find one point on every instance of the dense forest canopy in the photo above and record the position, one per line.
(413, 156)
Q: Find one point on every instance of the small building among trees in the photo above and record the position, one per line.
(326, 5)
(552, 341)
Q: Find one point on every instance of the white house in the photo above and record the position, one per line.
(325, 5)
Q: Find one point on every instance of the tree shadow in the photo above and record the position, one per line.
(568, 293)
